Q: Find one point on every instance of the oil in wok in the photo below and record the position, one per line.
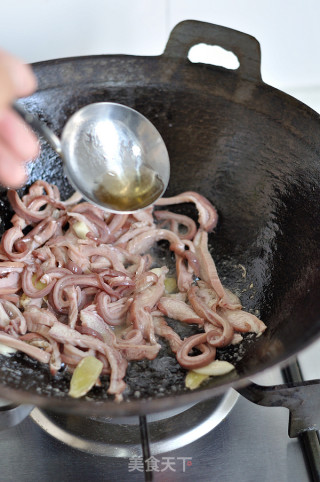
(129, 192)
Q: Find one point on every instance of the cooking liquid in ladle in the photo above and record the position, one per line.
(129, 193)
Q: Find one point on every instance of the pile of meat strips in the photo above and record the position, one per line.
(77, 281)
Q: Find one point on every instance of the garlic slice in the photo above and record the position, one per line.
(6, 350)
(81, 229)
(215, 368)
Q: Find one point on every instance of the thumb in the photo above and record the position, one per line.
(16, 79)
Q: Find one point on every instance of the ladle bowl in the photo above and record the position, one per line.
(113, 155)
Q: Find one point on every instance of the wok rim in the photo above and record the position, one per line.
(157, 404)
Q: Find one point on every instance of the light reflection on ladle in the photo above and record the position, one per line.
(112, 155)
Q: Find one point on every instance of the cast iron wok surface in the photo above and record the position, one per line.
(254, 153)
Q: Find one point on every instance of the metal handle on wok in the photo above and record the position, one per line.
(302, 398)
(191, 32)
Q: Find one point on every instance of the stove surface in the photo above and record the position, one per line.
(250, 444)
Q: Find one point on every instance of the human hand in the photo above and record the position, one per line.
(18, 143)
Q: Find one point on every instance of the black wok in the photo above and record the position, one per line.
(253, 151)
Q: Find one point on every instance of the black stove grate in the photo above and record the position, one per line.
(309, 440)
(146, 453)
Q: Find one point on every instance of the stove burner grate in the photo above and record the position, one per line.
(122, 438)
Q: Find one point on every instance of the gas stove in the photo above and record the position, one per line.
(225, 439)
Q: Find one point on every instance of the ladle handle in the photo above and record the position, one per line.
(39, 127)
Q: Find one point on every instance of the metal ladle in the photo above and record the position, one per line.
(112, 155)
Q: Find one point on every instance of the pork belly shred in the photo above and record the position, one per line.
(76, 281)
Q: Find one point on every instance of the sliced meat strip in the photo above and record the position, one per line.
(208, 216)
(208, 353)
(178, 310)
(34, 352)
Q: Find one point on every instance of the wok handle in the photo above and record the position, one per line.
(301, 398)
(191, 32)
